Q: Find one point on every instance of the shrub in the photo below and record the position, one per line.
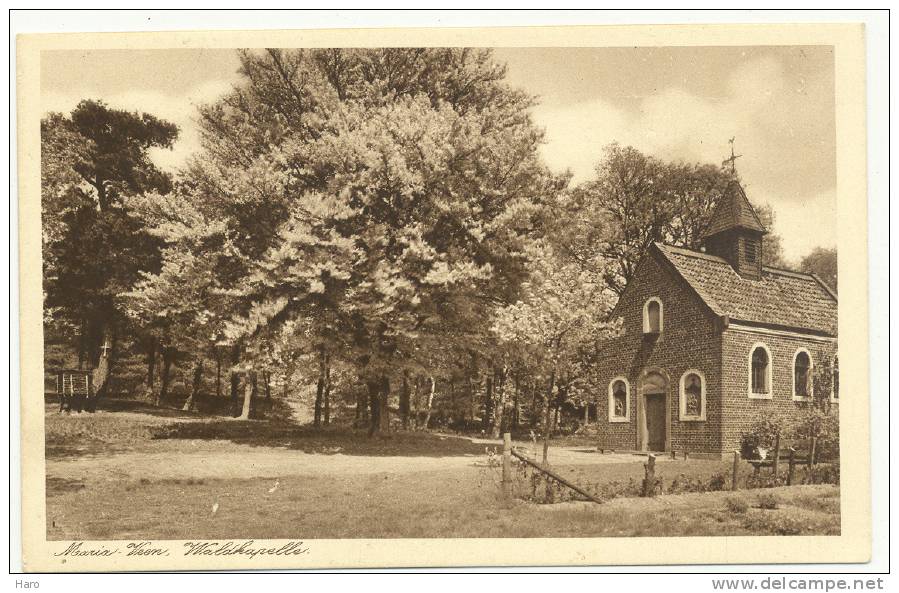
(765, 480)
(615, 489)
(818, 421)
(683, 483)
(718, 482)
(763, 432)
(825, 473)
(656, 487)
(768, 501)
(777, 524)
(736, 505)
(822, 504)
(534, 486)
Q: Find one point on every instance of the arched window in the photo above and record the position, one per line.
(835, 380)
(692, 396)
(760, 372)
(652, 316)
(802, 375)
(619, 400)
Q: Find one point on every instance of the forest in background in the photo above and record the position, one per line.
(371, 232)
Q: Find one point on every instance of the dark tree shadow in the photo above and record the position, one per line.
(58, 486)
(328, 441)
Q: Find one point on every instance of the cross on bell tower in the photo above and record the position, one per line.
(733, 157)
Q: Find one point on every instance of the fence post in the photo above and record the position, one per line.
(507, 467)
(733, 483)
(649, 481)
(776, 455)
(673, 454)
(811, 452)
(814, 452)
(792, 466)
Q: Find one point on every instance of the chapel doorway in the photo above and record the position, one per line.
(653, 415)
(655, 421)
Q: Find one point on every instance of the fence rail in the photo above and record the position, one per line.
(509, 451)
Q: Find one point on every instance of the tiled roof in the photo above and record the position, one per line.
(733, 211)
(781, 298)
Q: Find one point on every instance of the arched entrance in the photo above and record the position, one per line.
(653, 418)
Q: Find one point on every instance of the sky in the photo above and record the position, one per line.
(675, 103)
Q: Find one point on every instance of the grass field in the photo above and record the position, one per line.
(166, 475)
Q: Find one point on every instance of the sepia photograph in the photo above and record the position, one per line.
(405, 291)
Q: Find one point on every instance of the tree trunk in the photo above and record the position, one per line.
(103, 367)
(249, 390)
(473, 388)
(561, 396)
(363, 408)
(405, 394)
(416, 402)
(374, 403)
(500, 407)
(82, 344)
(535, 414)
(430, 403)
(516, 402)
(151, 367)
(586, 413)
(453, 405)
(547, 407)
(487, 418)
(319, 393)
(235, 378)
(195, 386)
(218, 372)
(323, 387)
(267, 378)
(165, 380)
(384, 413)
(327, 397)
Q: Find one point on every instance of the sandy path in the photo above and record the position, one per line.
(243, 461)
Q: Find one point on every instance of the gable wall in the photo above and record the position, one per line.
(739, 409)
(689, 340)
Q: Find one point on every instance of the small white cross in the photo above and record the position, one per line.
(104, 350)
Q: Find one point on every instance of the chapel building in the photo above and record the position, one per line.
(711, 339)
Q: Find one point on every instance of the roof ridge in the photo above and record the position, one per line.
(693, 253)
(830, 291)
(787, 298)
(785, 271)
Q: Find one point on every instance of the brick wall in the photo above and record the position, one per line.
(688, 341)
(739, 409)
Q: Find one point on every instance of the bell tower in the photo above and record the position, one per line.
(735, 233)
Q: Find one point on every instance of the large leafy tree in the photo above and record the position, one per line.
(91, 161)
(822, 262)
(638, 199)
(386, 195)
(773, 251)
(562, 320)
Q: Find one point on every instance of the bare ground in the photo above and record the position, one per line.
(225, 460)
(141, 474)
